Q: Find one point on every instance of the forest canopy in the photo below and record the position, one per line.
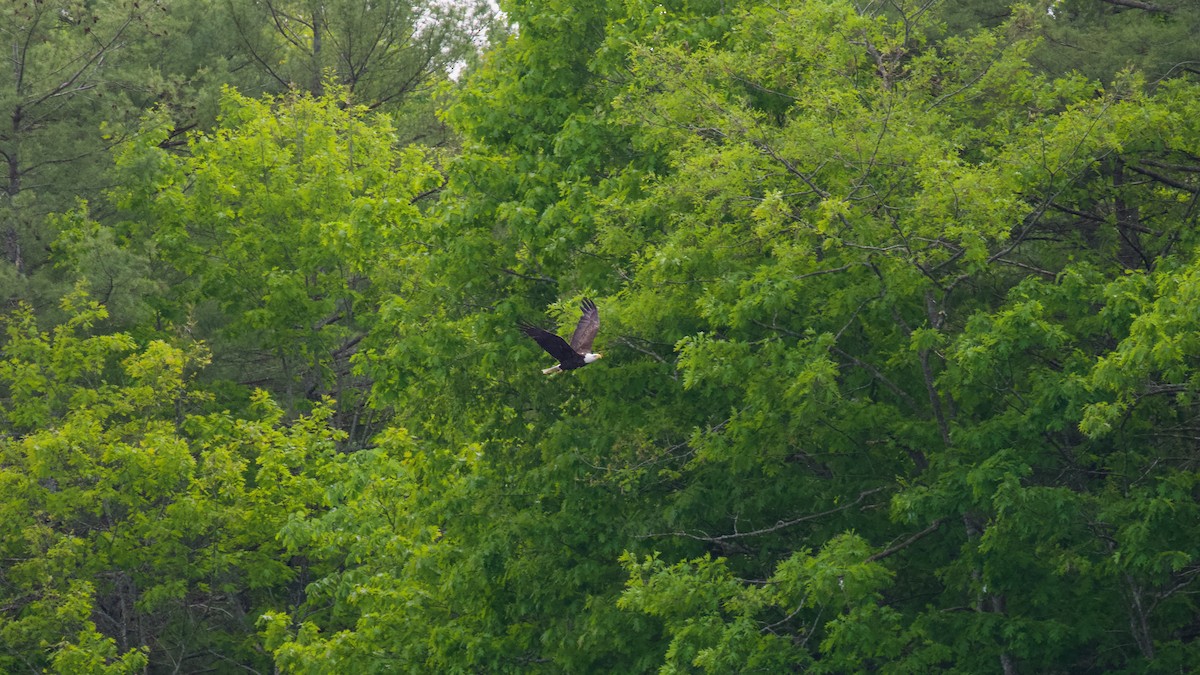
(900, 306)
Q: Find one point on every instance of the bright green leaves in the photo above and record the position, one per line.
(718, 623)
(1158, 358)
(385, 545)
(976, 206)
(81, 649)
(278, 234)
(778, 387)
(1107, 357)
(898, 375)
(863, 165)
(909, 256)
(708, 617)
(45, 375)
(131, 527)
(842, 259)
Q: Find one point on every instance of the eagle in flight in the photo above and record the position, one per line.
(578, 353)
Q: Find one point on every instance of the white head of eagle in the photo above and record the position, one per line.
(576, 354)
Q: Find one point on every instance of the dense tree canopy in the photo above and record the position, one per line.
(273, 238)
(899, 318)
(139, 530)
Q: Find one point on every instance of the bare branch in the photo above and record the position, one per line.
(883, 379)
(933, 527)
(780, 525)
(541, 279)
(1161, 178)
(1046, 273)
(791, 168)
(628, 341)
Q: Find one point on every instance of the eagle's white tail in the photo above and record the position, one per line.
(552, 369)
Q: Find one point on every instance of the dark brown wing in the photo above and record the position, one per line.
(553, 344)
(585, 332)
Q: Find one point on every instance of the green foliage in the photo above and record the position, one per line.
(899, 331)
(720, 624)
(1098, 38)
(62, 80)
(274, 237)
(382, 52)
(81, 75)
(844, 265)
(133, 532)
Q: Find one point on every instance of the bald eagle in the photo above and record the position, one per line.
(578, 353)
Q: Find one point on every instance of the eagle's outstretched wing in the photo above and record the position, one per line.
(585, 332)
(553, 344)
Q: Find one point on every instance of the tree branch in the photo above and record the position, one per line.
(933, 527)
(544, 280)
(782, 524)
(1161, 178)
(1135, 4)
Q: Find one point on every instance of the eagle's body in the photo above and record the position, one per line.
(576, 354)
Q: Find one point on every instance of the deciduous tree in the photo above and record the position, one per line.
(273, 238)
(138, 530)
